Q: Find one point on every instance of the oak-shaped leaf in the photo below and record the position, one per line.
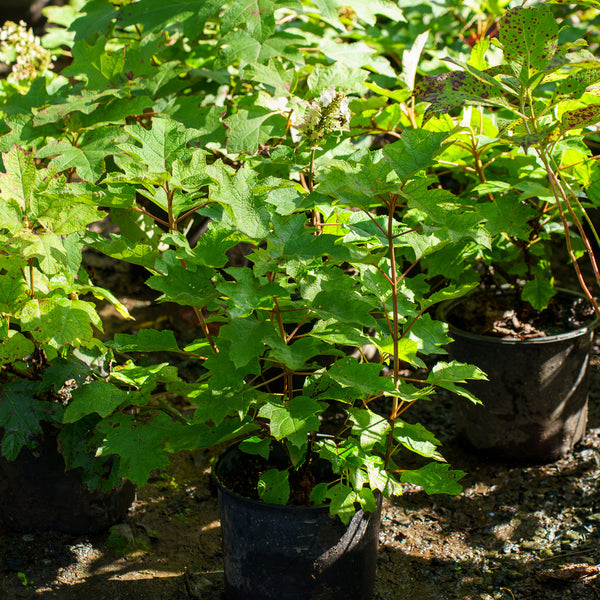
(449, 375)
(417, 438)
(370, 428)
(292, 420)
(21, 415)
(274, 487)
(98, 397)
(435, 478)
(138, 441)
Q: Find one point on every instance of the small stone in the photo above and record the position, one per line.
(402, 519)
(530, 544)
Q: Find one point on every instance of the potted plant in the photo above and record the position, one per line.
(53, 362)
(333, 264)
(518, 157)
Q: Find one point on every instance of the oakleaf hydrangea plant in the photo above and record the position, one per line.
(518, 146)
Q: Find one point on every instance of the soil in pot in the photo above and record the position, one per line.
(37, 494)
(276, 552)
(535, 400)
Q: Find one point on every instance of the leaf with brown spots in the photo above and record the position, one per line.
(577, 83)
(457, 88)
(591, 3)
(529, 37)
(581, 117)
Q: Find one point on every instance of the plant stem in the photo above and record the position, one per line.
(391, 205)
(561, 196)
(31, 284)
(205, 329)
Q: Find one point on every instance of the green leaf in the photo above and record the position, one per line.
(454, 89)
(318, 494)
(447, 375)
(356, 55)
(101, 68)
(435, 478)
(20, 416)
(21, 177)
(411, 58)
(61, 322)
(67, 215)
(414, 151)
(295, 356)
(87, 158)
(365, 377)
(274, 487)
(246, 293)
(13, 291)
(506, 214)
(237, 196)
(366, 10)
(274, 75)
(98, 397)
(138, 442)
(144, 377)
(159, 147)
(256, 15)
(292, 420)
(247, 129)
(256, 445)
(215, 405)
(417, 438)
(529, 38)
(580, 117)
(310, 246)
(342, 499)
(97, 16)
(189, 286)
(538, 292)
(146, 340)
(46, 247)
(338, 75)
(346, 306)
(62, 370)
(367, 500)
(155, 15)
(370, 427)
(247, 339)
(575, 84)
(14, 346)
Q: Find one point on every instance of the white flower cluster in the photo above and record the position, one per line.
(327, 114)
(21, 48)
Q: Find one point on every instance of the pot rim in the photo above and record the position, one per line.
(445, 307)
(266, 505)
(257, 503)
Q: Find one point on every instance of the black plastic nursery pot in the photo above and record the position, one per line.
(37, 494)
(535, 401)
(273, 552)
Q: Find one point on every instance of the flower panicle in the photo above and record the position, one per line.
(21, 48)
(327, 114)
